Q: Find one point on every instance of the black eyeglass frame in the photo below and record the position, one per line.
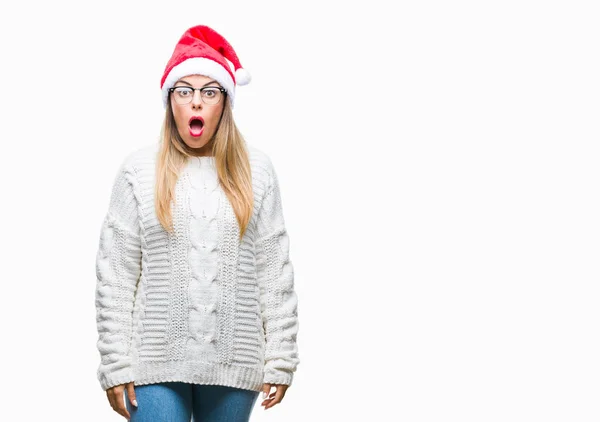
(223, 91)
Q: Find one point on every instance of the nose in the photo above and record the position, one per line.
(197, 100)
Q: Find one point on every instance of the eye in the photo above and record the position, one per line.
(211, 92)
(183, 92)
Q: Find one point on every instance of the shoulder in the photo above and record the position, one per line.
(257, 156)
(261, 164)
(141, 157)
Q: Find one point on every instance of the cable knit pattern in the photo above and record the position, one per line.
(198, 305)
(278, 300)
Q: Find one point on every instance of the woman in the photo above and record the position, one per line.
(196, 308)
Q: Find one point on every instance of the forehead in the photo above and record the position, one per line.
(196, 79)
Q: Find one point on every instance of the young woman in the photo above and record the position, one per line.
(196, 308)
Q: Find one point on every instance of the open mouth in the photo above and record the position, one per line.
(196, 125)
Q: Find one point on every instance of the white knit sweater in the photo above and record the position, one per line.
(197, 306)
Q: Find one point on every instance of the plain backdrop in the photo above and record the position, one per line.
(439, 168)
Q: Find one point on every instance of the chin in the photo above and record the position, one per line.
(195, 143)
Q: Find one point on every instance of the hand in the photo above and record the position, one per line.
(115, 397)
(274, 398)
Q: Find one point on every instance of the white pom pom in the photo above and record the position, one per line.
(242, 76)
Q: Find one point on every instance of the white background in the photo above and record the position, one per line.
(439, 167)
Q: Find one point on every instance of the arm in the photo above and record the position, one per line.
(118, 267)
(279, 302)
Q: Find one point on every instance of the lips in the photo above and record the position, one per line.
(196, 125)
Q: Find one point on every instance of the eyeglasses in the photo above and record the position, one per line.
(210, 95)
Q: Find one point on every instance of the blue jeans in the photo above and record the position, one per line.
(178, 401)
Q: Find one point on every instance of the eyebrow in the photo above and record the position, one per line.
(208, 83)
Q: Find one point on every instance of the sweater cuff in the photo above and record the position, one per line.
(278, 377)
(121, 376)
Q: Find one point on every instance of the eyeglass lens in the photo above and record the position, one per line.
(184, 95)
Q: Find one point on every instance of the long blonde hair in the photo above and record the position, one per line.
(231, 162)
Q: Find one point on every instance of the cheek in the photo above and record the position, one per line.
(214, 118)
(179, 120)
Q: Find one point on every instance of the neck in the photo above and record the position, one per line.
(204, 151)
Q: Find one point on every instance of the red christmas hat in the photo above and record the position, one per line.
(202, 51)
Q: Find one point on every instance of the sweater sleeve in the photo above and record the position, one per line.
(279, 301)
(118, 268)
